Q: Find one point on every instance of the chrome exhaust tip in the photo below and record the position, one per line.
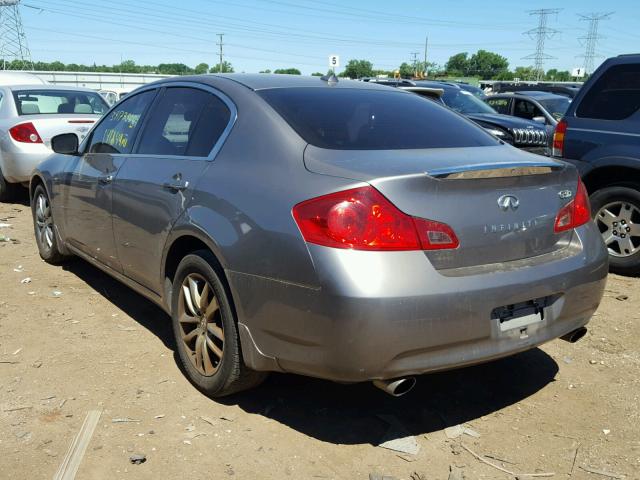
(575, 335)
(396, 387)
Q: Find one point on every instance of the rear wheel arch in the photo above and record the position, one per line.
(612, 175)
(178, 248)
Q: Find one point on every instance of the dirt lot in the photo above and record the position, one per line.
(96, 345)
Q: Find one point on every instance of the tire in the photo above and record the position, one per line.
(616, 211)
(44, 228)
(202, 315)
(8, 190)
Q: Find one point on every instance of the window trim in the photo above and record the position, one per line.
(84, 146)
(233, 116)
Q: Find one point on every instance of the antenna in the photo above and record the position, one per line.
(541, 33)
(590, 41)
(13, 41)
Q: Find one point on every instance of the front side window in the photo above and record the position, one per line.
(368, 119)
(184, 122)
(614, 96)
(117, 131)
(48, 102)
(526, 109)
(500, 105)
(556, 107)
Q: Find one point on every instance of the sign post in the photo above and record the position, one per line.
(334, 62)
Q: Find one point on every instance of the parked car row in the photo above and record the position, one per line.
(410, 236)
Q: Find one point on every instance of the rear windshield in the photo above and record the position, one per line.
(45, 102)
(359, 119)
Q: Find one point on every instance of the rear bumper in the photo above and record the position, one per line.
(18, 163)
(390, 315)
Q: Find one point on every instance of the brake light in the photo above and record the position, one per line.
(363, 219)
(25, 133)
(575, 213)
(558, 138)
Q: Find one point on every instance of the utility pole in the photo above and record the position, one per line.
(414, 61)
(426, 47)
(13, 41)
(541, 33)
(220, 43)
(592, 38)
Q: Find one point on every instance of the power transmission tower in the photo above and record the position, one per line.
(590, 41)
(220, 43)
(541, 33)
(13, 41)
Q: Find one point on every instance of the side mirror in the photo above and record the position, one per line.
(66, 143)
(540, 119)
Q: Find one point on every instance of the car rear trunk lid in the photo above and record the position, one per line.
(48, 126)
(500, 202)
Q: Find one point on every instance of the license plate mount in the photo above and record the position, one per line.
(520, 315)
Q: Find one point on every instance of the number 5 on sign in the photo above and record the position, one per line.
(334, 61)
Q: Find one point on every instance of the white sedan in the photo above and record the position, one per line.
(29, 116)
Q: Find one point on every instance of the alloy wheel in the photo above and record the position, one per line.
(200, 322)
(44, 222)
(619, 224)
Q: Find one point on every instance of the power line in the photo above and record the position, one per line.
(541, 33)
(591, 38)
(13, 41)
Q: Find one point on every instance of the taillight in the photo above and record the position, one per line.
(25, 133)
(558, 138)
(363, 219)
(575, 213)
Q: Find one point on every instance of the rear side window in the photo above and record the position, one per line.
(614, 96)
(500, 105)
(46, 102)
(117, 131)
(360, 119)
(185, 121)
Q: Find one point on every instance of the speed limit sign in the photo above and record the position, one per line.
(334, 61)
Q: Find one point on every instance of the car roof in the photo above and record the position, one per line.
(531, 93)
(50, 87)
(263, 81)
(437, 84)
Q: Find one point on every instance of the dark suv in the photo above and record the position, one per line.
(600, 134)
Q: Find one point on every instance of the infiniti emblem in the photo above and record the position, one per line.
(506, 202)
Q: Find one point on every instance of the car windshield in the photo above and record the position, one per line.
(557, 107)
(46, 102)
(363, 119)
(465, 102)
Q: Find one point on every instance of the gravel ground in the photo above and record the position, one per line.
(95, 345)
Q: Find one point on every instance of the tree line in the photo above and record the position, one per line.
(483, 64)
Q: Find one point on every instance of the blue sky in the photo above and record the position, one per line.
(261, 34)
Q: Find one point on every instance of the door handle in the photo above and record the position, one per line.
(106, 180)
(176, 186)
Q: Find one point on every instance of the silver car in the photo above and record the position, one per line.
(29, 116)
(345, 230)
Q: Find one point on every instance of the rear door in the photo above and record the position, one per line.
(184, 131)
(86, 185)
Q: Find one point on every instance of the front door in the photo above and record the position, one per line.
(154, 187)
(88, 182)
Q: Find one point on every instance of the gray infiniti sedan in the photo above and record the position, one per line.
(341, 230)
